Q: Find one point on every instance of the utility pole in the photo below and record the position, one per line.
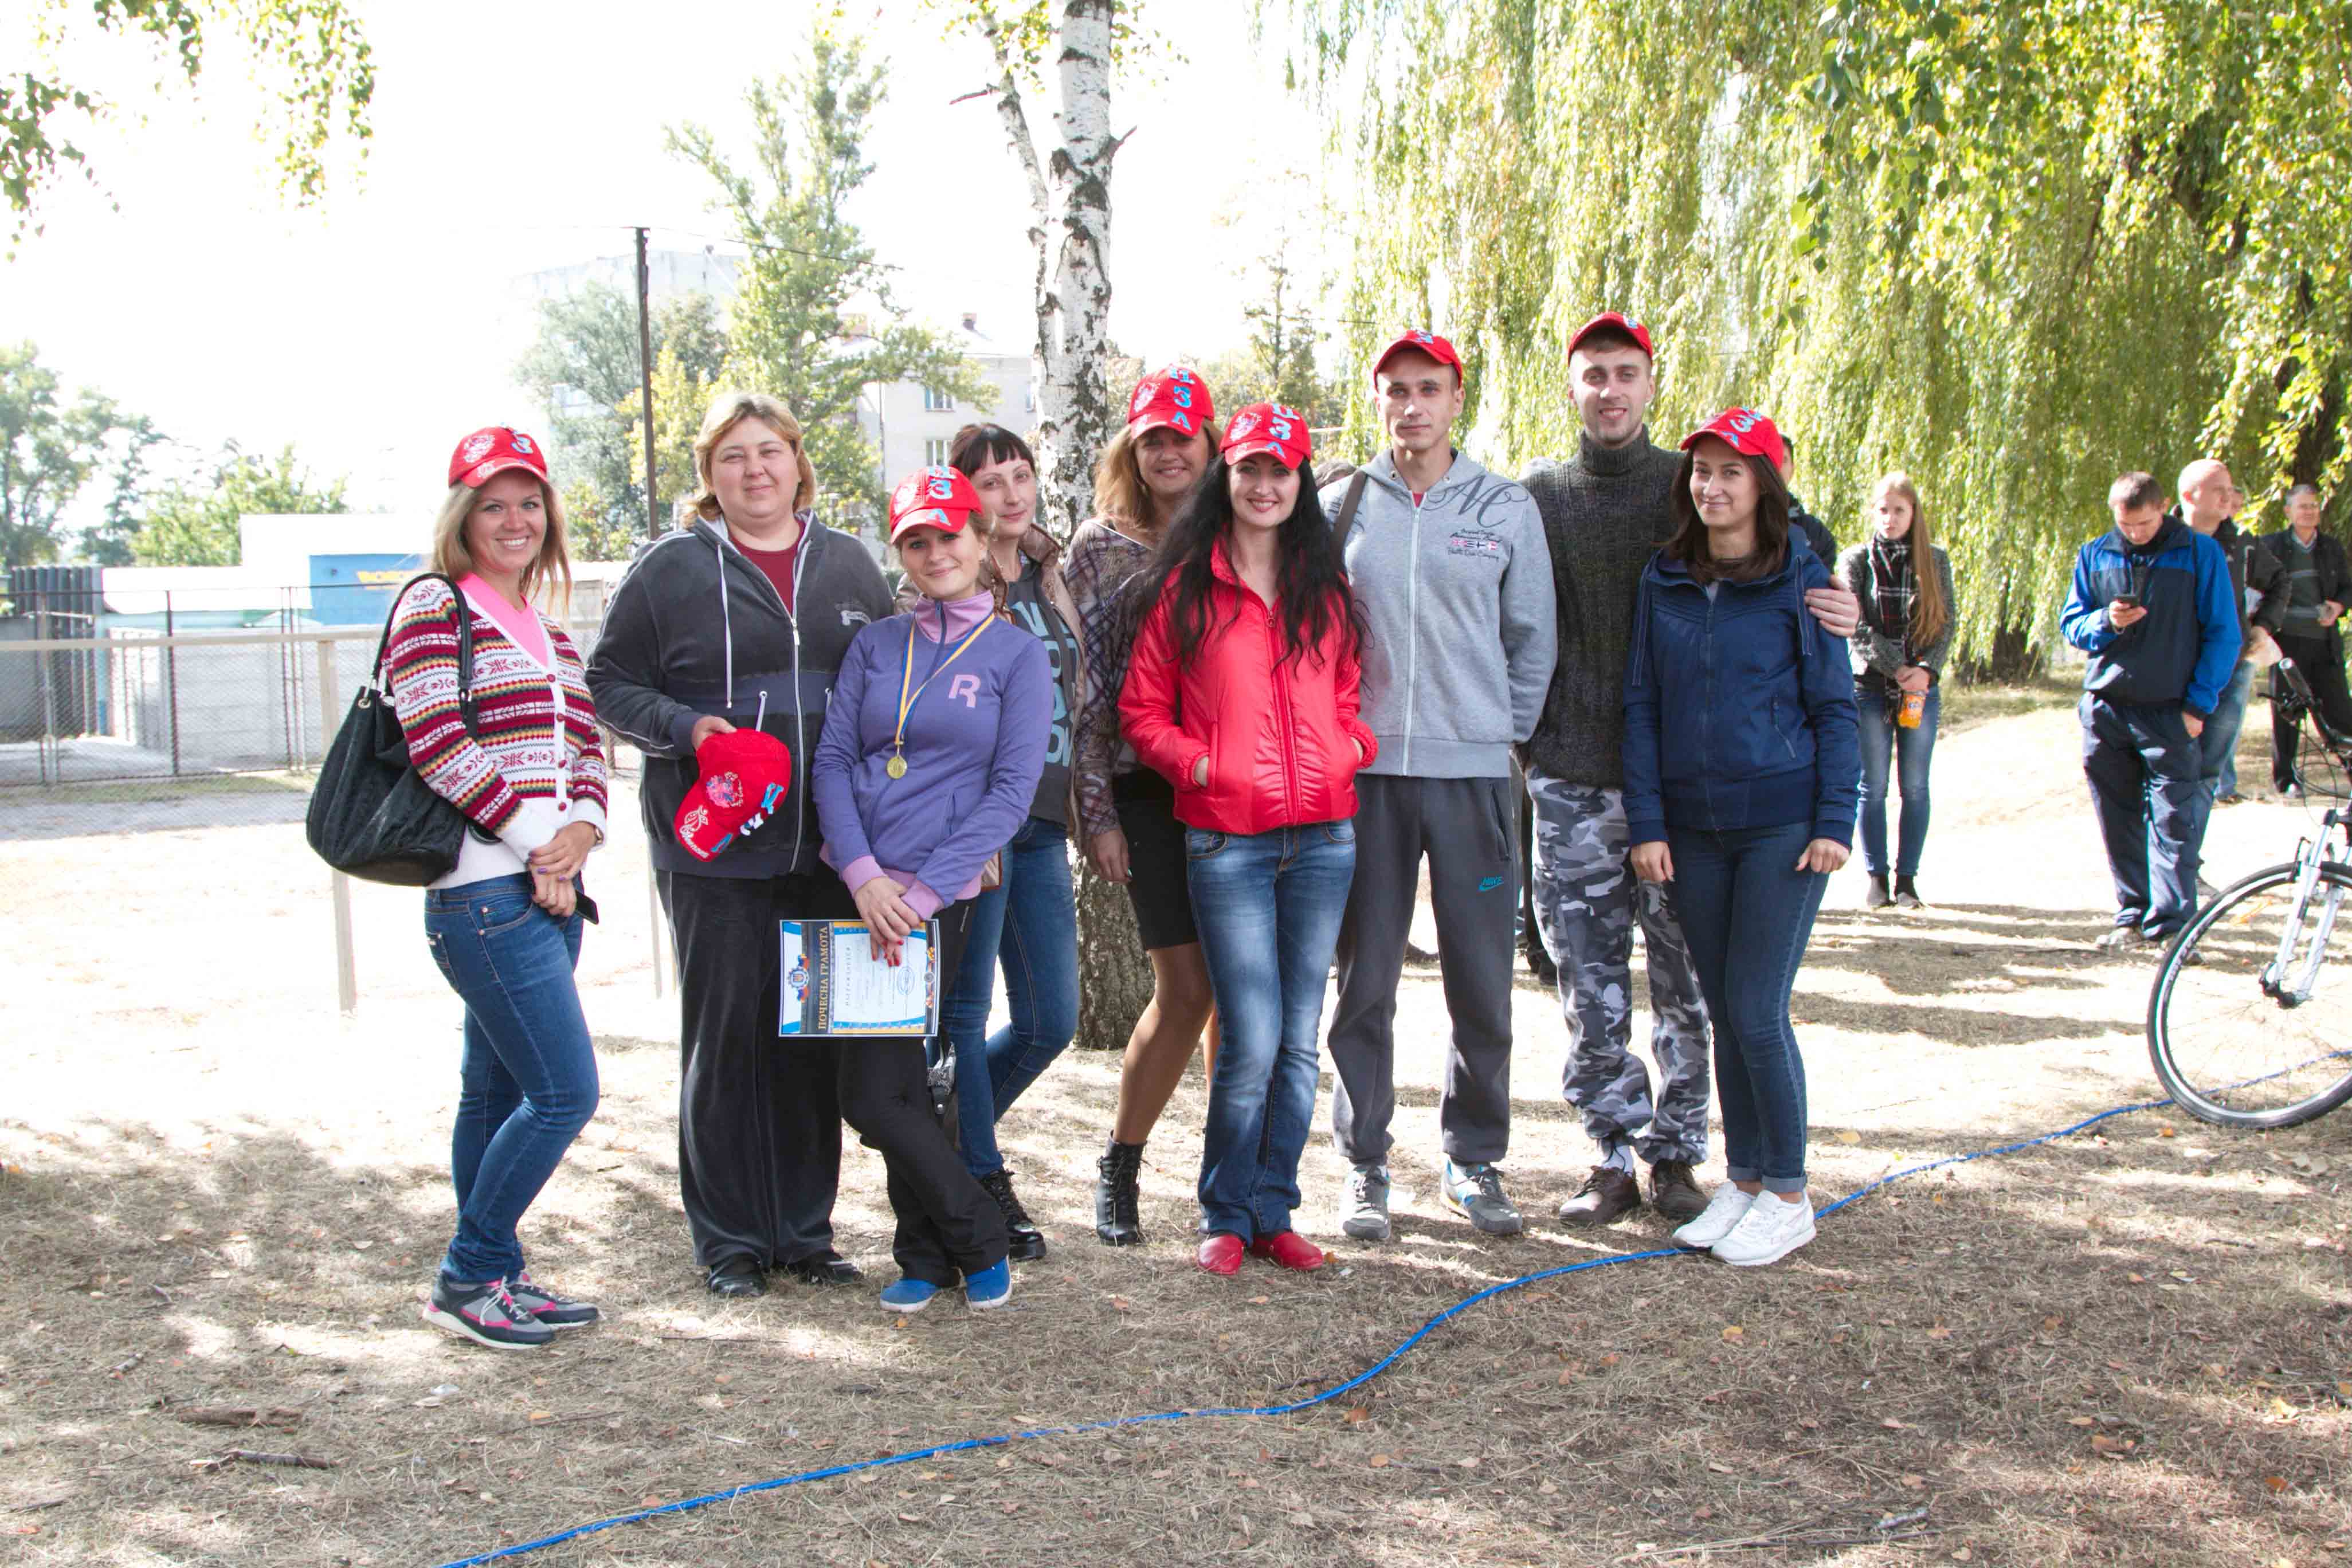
(646, 382)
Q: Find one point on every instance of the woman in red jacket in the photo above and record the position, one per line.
(1242, 692)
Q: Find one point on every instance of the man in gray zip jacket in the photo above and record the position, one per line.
(1449, 567)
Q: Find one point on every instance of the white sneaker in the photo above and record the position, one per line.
(1767, 1232)
(1716, 1221)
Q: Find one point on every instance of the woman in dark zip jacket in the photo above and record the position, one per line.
(742, 618)
(1741, 767)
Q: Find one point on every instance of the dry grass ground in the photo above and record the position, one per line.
(2130, 1348)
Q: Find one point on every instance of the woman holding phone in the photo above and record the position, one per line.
(928, 761)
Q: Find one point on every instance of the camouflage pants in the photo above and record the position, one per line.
(1587, 901)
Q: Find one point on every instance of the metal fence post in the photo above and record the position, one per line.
(347, 981)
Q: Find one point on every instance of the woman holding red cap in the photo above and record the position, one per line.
(1128, 812)
(1745, 802)
(1242, 692)
(504, 924)
(930, 756)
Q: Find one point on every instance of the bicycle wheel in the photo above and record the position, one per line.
(2239, 1041)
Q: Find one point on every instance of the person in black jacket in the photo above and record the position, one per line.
(2313, 585)
(742, 618)
(2210, 500)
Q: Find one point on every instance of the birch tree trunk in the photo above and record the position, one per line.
(1069, 234)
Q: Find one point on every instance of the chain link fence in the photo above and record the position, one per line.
(105, 717)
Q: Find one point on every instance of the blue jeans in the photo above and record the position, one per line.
(2217, 748)
(1883, 740)
(1269, 907)
(1031, 921)
(1748, 912)
(527, 1082)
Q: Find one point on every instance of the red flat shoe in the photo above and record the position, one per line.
(1221, 1253)
(1288, 1249)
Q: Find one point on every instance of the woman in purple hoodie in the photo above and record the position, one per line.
(931, 751)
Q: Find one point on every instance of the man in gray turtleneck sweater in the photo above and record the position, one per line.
(1605, 512)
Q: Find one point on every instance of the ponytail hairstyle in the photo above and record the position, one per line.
(1310, 581)
(1931, 616)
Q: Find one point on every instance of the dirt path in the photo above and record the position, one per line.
(2130, 1348)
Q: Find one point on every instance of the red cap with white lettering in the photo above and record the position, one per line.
(1747, 431)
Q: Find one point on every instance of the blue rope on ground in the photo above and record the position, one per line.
(1361, 1378)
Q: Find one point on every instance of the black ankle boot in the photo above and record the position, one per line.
(1117, 1221)
(1023, 1242)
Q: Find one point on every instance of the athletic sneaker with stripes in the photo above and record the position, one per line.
(485, 1314)
(552, 1309)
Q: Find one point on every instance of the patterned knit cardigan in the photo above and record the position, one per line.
(536, 736)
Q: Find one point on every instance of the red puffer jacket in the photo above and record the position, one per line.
(1280, 734)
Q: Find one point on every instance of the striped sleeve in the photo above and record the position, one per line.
(420, 667)
(589, 776)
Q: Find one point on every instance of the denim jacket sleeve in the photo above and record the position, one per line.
(1645, 804)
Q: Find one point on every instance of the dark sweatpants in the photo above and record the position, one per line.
(759, 1122)
(1469, 830)
(2146, 782)
(2324, 671)
(947, 1225)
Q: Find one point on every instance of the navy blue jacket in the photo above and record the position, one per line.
(1739, 709)
(2186, 649)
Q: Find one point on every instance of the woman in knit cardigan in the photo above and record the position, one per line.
(527, 767)
(1899, 656)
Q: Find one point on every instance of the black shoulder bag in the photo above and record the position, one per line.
(372, 815)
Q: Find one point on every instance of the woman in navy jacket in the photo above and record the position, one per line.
(1744, 801)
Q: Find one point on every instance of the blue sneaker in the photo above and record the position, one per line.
(992, 1287)
(909, 1295)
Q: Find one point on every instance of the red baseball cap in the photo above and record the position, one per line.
(745, 774)
(1272, 428)
(493, 449)
(1426, 342)
(1171, 399)
(1747, 431)
(937, 497)
(1622, 322)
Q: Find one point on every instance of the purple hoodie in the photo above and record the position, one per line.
(975, 745)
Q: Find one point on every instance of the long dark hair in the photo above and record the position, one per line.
(1689, 544)
(1309, 581)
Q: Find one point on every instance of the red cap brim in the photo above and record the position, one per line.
(941, 518)
(1289, 458)
(481, 473)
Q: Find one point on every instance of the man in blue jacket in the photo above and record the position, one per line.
(2152, 606)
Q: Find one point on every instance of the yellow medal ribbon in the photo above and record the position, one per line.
(897, 766)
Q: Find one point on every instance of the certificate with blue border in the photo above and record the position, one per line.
(831, 983)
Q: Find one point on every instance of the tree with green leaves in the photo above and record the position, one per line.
(2014, 251)
(195, 524)
(309, 58)
(49, 448)
(584, 359)
(791, 331)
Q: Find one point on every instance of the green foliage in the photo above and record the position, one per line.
(792, 331)
(196, 524)
(309, 57)
(2012, 251)
(49, 448)
(586, 352)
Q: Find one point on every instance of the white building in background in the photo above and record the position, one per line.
(908, 422)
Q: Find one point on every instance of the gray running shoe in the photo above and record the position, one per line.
(1368, 1203)
(1476, 1192)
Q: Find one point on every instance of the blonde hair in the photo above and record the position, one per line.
(729, 409)
(550, 570)
(1930, 615)
(1120, 495)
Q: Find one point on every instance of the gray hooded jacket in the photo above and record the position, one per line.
(1458, 600)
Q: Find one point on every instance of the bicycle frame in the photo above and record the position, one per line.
(2310, 855)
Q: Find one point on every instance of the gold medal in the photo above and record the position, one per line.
(896, 767)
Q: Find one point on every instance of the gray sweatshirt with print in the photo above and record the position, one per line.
(1456, 594)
